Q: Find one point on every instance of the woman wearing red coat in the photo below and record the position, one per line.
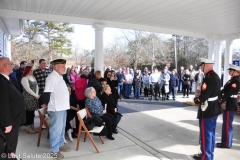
(80, 87)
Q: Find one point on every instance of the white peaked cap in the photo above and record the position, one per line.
(233, 67)
(206, 61)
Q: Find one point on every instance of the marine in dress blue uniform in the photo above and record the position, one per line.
(229, 95)
(209, 109)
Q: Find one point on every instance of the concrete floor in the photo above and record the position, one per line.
(148, 130)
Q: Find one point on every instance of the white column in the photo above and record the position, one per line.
(9, 52)
(210, 49)
(98, 58)
(218, 58)
(228, 59)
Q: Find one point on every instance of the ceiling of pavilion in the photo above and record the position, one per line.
(186, 17)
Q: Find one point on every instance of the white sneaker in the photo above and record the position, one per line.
(71, 140)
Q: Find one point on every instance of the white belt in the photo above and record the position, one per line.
(213, 98)
(233, 96)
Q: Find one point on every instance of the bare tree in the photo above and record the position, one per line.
(115, 54)
(81, 56)
(136, 42)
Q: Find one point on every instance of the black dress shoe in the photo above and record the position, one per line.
(220, 145)
(197, 156)
(115, 132)
(110, 137)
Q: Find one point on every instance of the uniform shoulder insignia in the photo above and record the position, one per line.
(234, 85)
(204, 86)
(209, 74)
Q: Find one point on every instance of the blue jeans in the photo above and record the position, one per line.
(173, 90)
(191, 82)
(117, 120)
(208, 136)
(137, 92)
(180, 85)
(130, 89)
(127, 90)
(57, 129)
(120, 87)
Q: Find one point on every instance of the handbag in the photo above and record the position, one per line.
(89, 123)
(98, 121)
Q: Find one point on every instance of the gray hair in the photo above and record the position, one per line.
(88, 91)
(85, 72)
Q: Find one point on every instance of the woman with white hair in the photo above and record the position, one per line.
(96, 109)
(111, 105)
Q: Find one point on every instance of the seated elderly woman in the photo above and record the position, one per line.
(96, 109)
(108, 98)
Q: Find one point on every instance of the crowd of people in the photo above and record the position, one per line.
(153, 83)
(65, 91)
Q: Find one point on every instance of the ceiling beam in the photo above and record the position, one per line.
(87, 21)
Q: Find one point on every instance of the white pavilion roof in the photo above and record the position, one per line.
(196, 18)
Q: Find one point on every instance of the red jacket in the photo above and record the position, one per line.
(80, 87)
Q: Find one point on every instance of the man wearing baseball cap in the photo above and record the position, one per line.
(209, 109)
(229, 95)
(56, 99)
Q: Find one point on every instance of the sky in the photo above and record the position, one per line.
(84, 36)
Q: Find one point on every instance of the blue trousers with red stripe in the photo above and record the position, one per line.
(227, 128)
(207, 134)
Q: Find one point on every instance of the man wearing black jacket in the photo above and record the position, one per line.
(229, 95)
(208, 110)
(95, 83)
(19, 73)
(12, 107)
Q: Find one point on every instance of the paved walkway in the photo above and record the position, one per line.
(149, 130)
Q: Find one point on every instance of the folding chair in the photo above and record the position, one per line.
(43, 122)
(81, 114)
(89, 115)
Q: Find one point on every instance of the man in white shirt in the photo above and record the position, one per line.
(153, 81)
(56, 98)
(192, 76)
